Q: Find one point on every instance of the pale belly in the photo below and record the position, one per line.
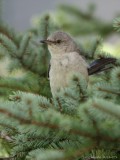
(59, 80)
(61, 71)
(60, 77)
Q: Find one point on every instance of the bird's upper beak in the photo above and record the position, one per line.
(46, 41)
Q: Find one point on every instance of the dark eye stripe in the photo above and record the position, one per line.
(58, 41)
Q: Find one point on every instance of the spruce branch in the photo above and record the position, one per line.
(29, 98)
(61, 154)
(59, 104)
(15, 84)
(95, 47)
(54, 126)
(116, 24)
(10, 33)
(19, 53)
(8, 126)
(104, 108)
(8, 44)
(9, 158)
(5, 137)
(73, 124)
(24, 44)
(76, 12)
(45, 32)
(109, 91)
(27, 67)
(86, 22)
(80, 86)
(81, 152)
(95, 125)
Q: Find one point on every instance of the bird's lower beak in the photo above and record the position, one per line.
(46, 41)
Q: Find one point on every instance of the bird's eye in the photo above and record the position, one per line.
(58, 41)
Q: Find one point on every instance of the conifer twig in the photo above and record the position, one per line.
(79, 153)
(106, 110)
(108, 91)
(5, 137)
(55, 127)
(59, 104)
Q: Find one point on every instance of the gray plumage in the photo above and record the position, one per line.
(67, 61)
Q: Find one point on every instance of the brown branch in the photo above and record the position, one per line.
(79, 153)
(81, 92)
(46, 26)
(70, 96)
(7, 126)
(28, 121)
(6, 137)
(30, 112)
(108, 91)
(6, 48)
(4, 31)
(8, 158)
(26, 67)
(94, 125)
(20, 59)
(44, 45)
(59, 104)
(106, 110)
(56, 127)
(43, 106)
(18, 88)
(25, 48)
(71, 156)
(97, 43)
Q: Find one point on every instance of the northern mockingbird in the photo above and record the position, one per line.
(67, 60)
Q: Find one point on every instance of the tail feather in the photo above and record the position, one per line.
(100, 65)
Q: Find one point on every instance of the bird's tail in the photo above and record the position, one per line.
(100, 65)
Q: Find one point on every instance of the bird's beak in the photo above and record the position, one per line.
(48, 42)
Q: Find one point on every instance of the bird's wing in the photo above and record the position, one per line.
(48, 70)
(100, 65)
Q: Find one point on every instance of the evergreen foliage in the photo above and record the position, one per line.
(80, 123)
(23, 53)
(78, 22)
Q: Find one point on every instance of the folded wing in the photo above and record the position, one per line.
(100, 65)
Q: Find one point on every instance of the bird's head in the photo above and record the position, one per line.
(60, 43)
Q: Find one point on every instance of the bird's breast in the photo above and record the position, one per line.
(64, 66)
(58, 73)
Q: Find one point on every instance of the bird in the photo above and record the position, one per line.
(66, 59)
